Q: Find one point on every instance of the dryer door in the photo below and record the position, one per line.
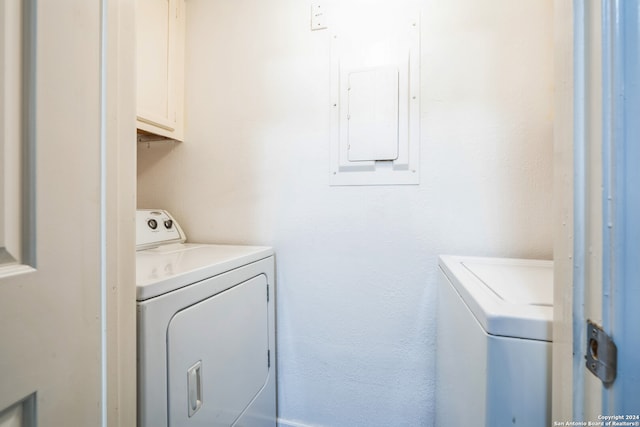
(217, 356)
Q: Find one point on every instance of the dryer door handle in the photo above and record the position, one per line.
(194, 387)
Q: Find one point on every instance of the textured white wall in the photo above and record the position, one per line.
(356, 266)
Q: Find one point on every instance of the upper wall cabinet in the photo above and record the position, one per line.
(160, 55)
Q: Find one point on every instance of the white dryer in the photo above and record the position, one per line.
(206, 330)
(493, 363)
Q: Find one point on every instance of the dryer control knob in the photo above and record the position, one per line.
(153, 224)
(168, 224)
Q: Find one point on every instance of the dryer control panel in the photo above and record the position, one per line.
(156, 227)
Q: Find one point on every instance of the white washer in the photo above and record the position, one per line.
(494, 342)
(206, 330)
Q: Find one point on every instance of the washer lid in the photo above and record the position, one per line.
(508, 297)
(169, 267)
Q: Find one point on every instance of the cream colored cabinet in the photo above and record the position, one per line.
(160, 56)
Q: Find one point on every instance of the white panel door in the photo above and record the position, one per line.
(606, 207)
(50, 276)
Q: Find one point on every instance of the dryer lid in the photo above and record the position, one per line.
(173, 266)
(508, 297)
(521, 283)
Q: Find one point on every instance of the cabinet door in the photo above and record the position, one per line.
(160, 55)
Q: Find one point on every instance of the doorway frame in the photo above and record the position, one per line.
(118, 212)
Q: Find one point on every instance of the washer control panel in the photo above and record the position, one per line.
(155, 227)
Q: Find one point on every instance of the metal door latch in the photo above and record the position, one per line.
(602, 354)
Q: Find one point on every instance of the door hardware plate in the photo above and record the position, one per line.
(601, 354)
